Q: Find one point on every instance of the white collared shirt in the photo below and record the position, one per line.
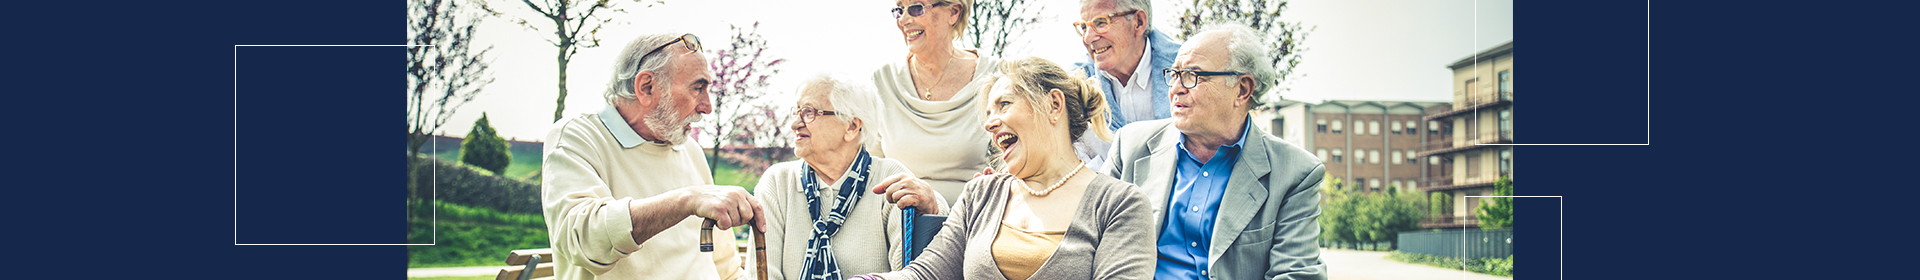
(1136, 95)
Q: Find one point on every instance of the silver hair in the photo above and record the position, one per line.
(1124, 5)
(852, 99)
(630, 64)
(1248, 50)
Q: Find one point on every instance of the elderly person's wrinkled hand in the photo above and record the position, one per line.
(907, 191)
(728, 206)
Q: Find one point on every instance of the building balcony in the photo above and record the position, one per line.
(1473, 141)
(1450, 221)
(1483, 100)
(1447, 183)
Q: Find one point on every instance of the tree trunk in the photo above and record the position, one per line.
(560, 103)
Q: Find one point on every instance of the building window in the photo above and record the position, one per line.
(1434, 160)
(1394, 127)
(1506, 123)
(1360, 156)
(1412, 127)
(1374, 184)
(1373, 157)
(1373, 127)
(1472, 89)
(1279, 125)
(1359, 127)
(1433, 127)
(1506, 162)
(1320, 126)
(1397, 184)
(1412, 158)
(1396, 155)
(1360, 183)
(1322, 153)
(1506, 84)
(1336, 156)
(1336, 126)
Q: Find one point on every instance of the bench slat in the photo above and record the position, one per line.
(513, 273)
(519, 257)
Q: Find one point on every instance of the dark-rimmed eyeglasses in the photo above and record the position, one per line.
(1098, 24)
(915, 10)
(693, 44)
(808, 114)
(1191, 78)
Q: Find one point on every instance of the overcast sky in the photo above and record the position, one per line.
(1358, 49)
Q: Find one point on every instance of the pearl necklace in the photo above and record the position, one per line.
(1056, 185)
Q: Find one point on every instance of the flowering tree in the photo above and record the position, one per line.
(740, 73)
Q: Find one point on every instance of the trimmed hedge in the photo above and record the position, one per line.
(1495, 266)
(464, 184)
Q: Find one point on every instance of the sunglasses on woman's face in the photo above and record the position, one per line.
(915, 10)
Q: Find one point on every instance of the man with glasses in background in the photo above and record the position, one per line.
(1125, 56)
(624, 191)
(1232, 203)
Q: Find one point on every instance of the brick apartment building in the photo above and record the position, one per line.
(1371, 145)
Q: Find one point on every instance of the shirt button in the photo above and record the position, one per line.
(1195, 209)
(1193, 244)
(1204, 174)
(1203, 273)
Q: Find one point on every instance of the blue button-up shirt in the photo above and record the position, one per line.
(1191, 209)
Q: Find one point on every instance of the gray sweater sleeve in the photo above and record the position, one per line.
(1126, 247)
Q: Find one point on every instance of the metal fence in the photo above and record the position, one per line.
(1468, 243)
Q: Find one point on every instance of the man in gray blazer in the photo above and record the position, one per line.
(1231, 203)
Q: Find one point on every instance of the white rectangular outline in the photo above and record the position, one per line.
(1649, 34)
(1563, 233)
(236, 155)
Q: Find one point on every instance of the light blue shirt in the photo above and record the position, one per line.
(1191, 210)
(618, 127)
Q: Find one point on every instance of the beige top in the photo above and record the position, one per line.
(591, 177)
(1021, 252)
(872, 229)
(942, 141)
(1111, 236)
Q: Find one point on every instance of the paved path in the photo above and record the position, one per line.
(454, 271)
(1365, 265)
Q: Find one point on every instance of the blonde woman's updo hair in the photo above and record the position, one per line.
(1086, 108)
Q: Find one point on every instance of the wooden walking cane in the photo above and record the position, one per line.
(759, 247)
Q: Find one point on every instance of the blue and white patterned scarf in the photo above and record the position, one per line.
(820, 264)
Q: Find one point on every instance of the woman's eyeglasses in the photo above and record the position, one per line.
(1098, 24)
(808, 114)
(915, 10)
(1191, 78)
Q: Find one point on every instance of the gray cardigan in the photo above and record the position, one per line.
(1110, 237)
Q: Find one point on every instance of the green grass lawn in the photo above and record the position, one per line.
(728, 174)
(524, 163)
(471, 236)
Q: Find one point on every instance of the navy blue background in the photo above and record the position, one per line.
(145, 92)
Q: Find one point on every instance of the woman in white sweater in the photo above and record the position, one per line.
(930, 99)
(828, 214)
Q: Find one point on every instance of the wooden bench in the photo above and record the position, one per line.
(539, 262)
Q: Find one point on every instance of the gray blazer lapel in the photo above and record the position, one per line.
(1158, 170)
(1245, 196)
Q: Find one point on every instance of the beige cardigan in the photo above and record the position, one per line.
(1111, 236)
(868, 242)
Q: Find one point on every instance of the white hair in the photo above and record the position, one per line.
(1248, 52)
(852, 99)
(1125, 5)
(629, 66)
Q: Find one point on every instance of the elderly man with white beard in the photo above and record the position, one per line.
(624, 192)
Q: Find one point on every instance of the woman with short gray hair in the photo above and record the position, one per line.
(829, 212)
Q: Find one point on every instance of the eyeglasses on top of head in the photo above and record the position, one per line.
(916, 10)
(808, 114)
(1099, 23)
(1191, 78)
(693, 44)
